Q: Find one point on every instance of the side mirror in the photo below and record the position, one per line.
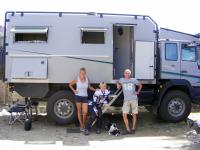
(198, 64)
(198, 56)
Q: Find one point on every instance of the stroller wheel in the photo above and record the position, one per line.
(27, 125)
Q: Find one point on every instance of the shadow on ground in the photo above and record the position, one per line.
(150, 130)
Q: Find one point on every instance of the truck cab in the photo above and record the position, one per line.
(179, 74)
(180, 57)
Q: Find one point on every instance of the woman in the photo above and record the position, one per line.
(81, 96)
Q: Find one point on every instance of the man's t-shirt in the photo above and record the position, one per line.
(128, 87)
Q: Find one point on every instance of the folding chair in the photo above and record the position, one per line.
(17, 113)
(21, 112)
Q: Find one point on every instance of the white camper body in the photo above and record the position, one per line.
(115, 42)
(43, 52)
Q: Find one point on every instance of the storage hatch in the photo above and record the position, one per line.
(29, 68)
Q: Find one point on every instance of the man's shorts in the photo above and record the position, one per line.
(81, 99)
(130, 106)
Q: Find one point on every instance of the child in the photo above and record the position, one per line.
(100, 98)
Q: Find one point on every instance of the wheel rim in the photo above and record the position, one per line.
(63, 108)
(176, 107)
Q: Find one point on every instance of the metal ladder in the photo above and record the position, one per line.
(113, 99)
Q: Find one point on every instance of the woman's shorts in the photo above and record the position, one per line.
(81, 99)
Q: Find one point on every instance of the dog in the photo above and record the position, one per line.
(193, 124)
(196, 126)
(112, 129)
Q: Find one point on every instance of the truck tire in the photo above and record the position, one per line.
(175, 106)
(61, 108)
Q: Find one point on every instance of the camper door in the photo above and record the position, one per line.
(122, 48)
(144, 60)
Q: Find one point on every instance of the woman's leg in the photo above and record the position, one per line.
(78, 106)
(84, 112)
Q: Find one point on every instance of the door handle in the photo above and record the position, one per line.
(116, 48)
(151, 66)
(183, 71)
(172, 65)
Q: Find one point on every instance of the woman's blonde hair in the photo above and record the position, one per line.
(82, 69)
(102, 84)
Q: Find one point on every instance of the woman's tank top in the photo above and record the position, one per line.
(82, 87)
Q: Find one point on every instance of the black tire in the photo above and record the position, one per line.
(61, 108)
(175, 106)
(27, 125)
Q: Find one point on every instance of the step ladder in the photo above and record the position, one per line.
(113, 98)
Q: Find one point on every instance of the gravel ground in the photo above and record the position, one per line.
(151, 134)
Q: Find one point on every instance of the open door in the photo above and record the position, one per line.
(122, 49)
(144, 60)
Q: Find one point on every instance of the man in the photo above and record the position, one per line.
(130, 99)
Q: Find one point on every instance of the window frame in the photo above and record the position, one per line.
(176, 52)
(96, 30)
(195, 50)
(30, 30)
(198, 56)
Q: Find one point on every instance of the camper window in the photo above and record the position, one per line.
(31, 35)
(188, 53)
(171, 52)
(93, 36)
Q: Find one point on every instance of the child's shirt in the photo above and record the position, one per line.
(99, 98)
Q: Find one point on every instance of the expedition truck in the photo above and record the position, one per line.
(43, 52)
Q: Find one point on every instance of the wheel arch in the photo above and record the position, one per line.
(173, 84)
(52, 115)
(175, 106)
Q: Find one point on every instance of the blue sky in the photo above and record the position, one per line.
(181, 15)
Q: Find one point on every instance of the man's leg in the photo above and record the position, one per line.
(134, 121)
(134, 106)
(126, 122)
(125, 110)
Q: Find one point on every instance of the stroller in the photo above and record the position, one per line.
(21, 112)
